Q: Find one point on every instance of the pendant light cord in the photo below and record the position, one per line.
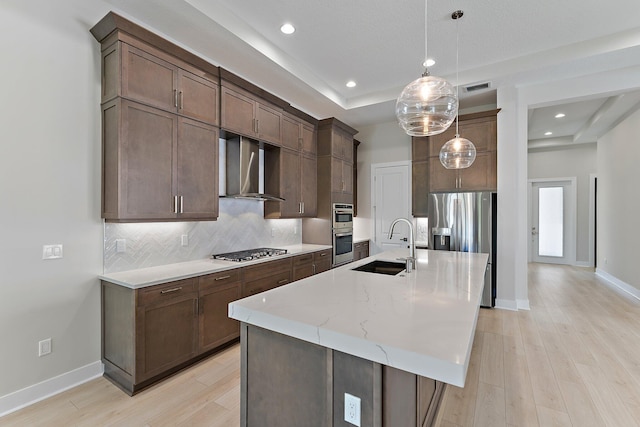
(457, 74)
(426, 70)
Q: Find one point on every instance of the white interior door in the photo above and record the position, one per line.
(392, 190)
(553, 220)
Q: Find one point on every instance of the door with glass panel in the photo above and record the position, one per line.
(552, 222)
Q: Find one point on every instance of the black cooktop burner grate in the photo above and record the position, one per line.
(250, 254)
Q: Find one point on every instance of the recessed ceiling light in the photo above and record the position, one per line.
(429, 63)
(288, 29)
(560, 115)
(351, 83)
(548, 133)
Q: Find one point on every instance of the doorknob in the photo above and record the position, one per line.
(404, 239)
(533, 231)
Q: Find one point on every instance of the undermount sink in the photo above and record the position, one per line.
(382, 267)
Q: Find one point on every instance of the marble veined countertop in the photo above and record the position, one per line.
(149, 276)
(422, 322)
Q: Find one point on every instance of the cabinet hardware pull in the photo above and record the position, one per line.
(181, 100)
(323, 254)
(257, 126)
(302, 207)
(181, 204)
(167, 291)
(299, 207)
(283, 281)
(175, 98)
(175, 204)
(222, 277)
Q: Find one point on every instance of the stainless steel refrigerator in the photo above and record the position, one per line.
(466, 222)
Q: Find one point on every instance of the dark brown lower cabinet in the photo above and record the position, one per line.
(264, 276)
(306, 381)
(151, 332)
(360, 250)
(216, 292)
(321, 261)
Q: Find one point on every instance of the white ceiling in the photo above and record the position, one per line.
(380, 44)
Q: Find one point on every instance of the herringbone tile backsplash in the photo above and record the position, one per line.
(240, 225)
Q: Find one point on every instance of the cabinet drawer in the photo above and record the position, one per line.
(302, 259)
(169, 290)
(322, 255)
(268, 268)
(218, 279)
(264, 284)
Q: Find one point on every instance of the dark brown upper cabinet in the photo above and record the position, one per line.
(157, 165)
(142, 73)
(428, 174)
(245, 114)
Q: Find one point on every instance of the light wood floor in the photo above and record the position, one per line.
(573, 360)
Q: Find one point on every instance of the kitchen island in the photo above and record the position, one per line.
(392, 341)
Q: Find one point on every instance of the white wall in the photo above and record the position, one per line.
(380, 143)
(50, 190)
(618, 205)
(580, 162)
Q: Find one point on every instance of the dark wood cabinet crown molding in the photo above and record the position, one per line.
(112, 22)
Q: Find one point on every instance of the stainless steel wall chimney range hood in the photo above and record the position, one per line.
(243, 170)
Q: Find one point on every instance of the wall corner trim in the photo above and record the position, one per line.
(29, 395)
(614, 282)
(506, 304)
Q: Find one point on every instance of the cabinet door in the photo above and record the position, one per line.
(419, 148)
(289, 183)
(322, 261)
(166, 334)
(437, 141)
(146, 156)
(482, 132)
(302, 266)
(197, 169)
(440, 178)
(290, 132)
(347, 148)
(269, 124)
(309, 186)
(309, 140)
(216, 328)
(237, 112)
(481, 174)
(347, 177)
(198, 97)
(419, 188)
(148, 79)
(337, 179)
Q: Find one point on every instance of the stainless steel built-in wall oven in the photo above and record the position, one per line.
(342, 219)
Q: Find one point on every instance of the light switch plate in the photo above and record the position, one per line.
(52, 251)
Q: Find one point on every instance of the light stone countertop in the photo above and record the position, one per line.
(150, 276)
(423, 322)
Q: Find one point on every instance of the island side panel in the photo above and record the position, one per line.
(286, 381)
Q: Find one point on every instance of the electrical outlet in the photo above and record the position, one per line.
(44, 347)
(185, 240)
(121, 246)
(352, 409)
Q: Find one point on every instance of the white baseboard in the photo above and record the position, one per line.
(523, 304)
(506, 304)
(37, 392)
(612, 280)
(582, 264)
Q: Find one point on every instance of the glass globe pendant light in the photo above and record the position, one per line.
(457, 153)
(428, 105)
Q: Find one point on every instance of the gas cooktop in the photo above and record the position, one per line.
(250, 254)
